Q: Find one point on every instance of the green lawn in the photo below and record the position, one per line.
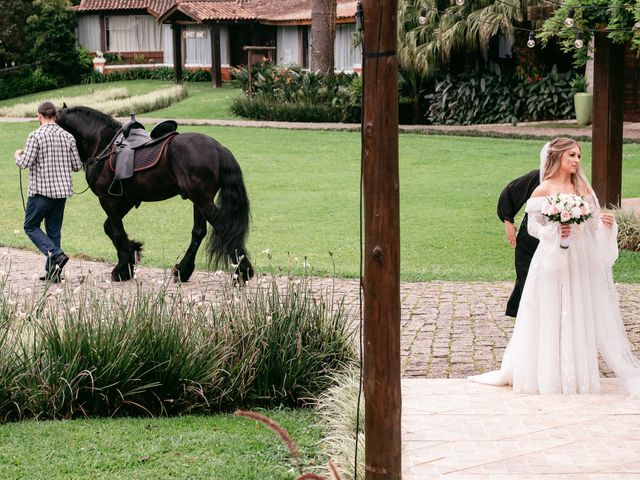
(303, 187)
(203, 100)
(215, 447)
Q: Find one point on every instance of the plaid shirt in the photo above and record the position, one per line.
(50, 156)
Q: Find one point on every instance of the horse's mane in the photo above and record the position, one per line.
(95, 115)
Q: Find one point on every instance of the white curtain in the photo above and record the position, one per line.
(346, 57)
(167, 44)
(198, 49)
(134, 33)
(89, 32)
(287, 46)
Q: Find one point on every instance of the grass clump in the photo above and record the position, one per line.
(30, 109)
(143, 103)
(161, 353)
(338, 409)
(628, 230)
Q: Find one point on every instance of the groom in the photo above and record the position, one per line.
(511, 200)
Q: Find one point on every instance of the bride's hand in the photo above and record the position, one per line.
(608, 219)
(565, 230)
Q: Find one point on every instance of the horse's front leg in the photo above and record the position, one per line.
(183, 270)
(128, 251)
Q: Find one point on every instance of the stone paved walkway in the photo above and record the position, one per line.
(449, 329)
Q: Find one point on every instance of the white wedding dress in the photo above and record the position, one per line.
(568, 313)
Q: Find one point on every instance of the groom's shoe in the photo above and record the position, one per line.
(59, 261)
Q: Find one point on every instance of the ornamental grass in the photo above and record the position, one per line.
(98, 353)
(30, 109)
(628, 229)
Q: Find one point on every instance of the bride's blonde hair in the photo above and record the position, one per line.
(556, 149)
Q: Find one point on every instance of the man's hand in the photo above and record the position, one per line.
(510, 230)
(18, 154)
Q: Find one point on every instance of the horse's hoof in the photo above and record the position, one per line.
(181, 273)
(119, 276)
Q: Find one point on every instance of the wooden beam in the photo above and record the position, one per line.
(216, 69)
(381, 334)
(177, 52)
(608, 87)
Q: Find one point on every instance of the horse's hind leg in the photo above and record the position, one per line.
(183, 270)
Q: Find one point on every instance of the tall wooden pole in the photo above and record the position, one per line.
(381, 335)
(216, 69)
(177, 52)
(608, 88)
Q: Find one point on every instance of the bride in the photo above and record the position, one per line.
(569, 308)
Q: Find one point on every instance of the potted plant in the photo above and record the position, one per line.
(582, 100)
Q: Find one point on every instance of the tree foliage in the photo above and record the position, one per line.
(14, 44)
(619, 18)
(52, 38)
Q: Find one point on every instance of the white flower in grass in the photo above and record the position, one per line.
(16, 232)
(266, 251)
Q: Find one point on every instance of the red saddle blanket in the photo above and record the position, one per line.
(145, 156)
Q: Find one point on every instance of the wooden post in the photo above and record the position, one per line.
(383, 400)
(177, 52)
(608, 87)
(216, 69)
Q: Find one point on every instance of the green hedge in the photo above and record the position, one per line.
(139, 73)
(26, 81)
(497, 96)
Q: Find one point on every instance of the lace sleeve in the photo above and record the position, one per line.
(538, 225)
(606, 238)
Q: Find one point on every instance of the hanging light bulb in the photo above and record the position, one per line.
(569, 20)
(532, 40)
(579, 43)
(459, 2)
(422, 19)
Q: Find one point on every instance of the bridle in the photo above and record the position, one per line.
(94, 161)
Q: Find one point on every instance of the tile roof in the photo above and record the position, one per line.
(203, 10)
(206, 10)
(294, 10)
(154, 7)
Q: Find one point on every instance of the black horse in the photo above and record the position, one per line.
(193, 166)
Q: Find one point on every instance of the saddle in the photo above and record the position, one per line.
(135, 149)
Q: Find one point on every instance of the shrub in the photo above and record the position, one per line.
(140, 73)
(292, 94)
(628, 230)
(495, 96)
(162, 353)
(52, 38)
(26, 81)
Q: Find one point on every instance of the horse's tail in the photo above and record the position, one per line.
(231, 222)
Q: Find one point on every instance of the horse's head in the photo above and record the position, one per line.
(92, 129)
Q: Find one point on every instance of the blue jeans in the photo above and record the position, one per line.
(51, 210)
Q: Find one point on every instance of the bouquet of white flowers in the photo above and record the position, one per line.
(566, 208)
